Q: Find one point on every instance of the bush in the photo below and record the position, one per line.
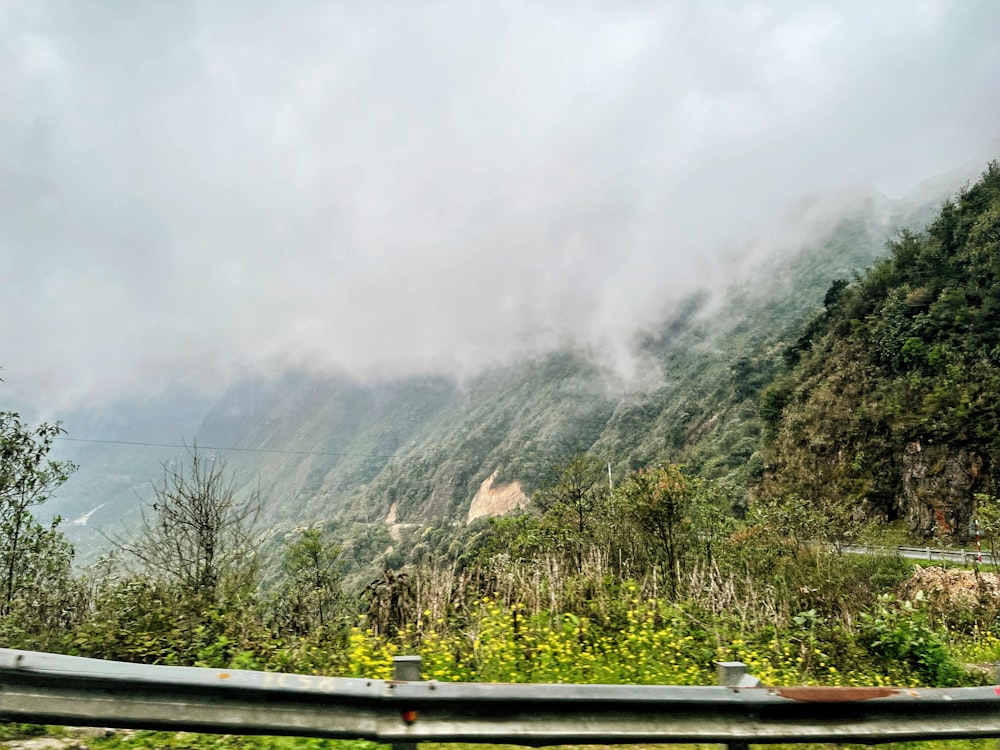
(899, 633)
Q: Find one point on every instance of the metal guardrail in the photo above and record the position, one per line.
(51, 689)
(931, 554)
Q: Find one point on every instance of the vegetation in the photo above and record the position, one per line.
(35, 582)
(348, 452)
(199, 534)
(646, 583)
(889, 406)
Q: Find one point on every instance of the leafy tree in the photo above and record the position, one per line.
(773, 400)
(310, 597)
(194, 599)
(658, 499)
(29, 553)
(48, 601)
(709, 511)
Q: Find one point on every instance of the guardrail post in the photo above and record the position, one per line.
(734, 674)
(405, 668)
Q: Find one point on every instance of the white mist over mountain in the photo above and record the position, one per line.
(191, 192)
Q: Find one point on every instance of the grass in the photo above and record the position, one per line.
(13, 730)
(182, 740)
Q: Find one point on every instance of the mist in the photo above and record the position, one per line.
(192, 192)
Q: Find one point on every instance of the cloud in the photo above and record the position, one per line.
(193, 191)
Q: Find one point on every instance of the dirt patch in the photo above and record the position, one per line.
(42, 743)
(73, 738)
(495, 500)
(395, 528)
(952, 585)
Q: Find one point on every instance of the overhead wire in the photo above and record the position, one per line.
(198, 446)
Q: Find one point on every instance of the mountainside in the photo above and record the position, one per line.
(891, 407)
(324, 447)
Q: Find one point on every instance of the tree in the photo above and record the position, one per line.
(29, 552)
(310, 597)
(658, 500)
(390, 602)
(986, 524)
(574, 497)
(199, 531)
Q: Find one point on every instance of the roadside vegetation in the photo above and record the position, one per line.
(650, 582)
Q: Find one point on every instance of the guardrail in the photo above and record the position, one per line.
(931, 554)
(51, 689)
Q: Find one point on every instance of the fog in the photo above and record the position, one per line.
(194, 192)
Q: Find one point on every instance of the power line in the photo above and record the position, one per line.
(218, 448)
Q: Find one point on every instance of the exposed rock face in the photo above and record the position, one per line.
(495, 500)
(938, 485)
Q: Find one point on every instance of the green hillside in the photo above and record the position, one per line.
(426, 445)
(333, 449)
(890, 407)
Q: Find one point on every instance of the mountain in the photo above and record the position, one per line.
(890, 408)
(419, 449)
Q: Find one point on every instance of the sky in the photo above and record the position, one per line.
(194, 192)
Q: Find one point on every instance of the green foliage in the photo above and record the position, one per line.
(309, 597)
(503, 643)
(658, 500)
(146, 619)
(17, 731)
(824, 638)
(650, 583)
(750, 590)
(773, 401)
(572, 502)
(899, 632)
(36, 590)
(187, 740)
(48, 600)
(904, 355)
